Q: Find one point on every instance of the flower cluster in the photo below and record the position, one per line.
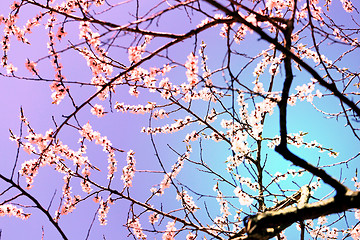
(129, 169)
(97, 64)
(256, 116)
(206, 71)
(58, 87)
(31, 66)
(347, 5)
(239, 144)
(135, 225)
(355, 232)
(86, 186)
(203, 22)
(69, 202)
(59, 92)
(207, 20)
(170, 231)
(33, 22)
(61, 33)
(11, 210)
(356, 182)
(146, 79)
(99, 81)
(138, 109)
(175, 169)
(193, 136)
(10, 28)
(240, 33)
(234, 161)
(30, 168)
(204, 94)
(135, 52)
(244, 198)
(99, 2)
(220, 224)
(91, 135)
(303, 51)
(68, 6)
(98, 110)
(161, 113)
(177, 126)
(192, 69)
(187, 201)
(267, 59)
(104, 210)
(321, 231)
(278, 4)
(279, 177)
(153, 218)
(247, 182)
(297, 139)
(304, 92)
(224, 207)
(302, 13)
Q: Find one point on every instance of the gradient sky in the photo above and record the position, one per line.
(124, 129)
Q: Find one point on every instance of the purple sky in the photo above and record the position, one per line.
(123, 129)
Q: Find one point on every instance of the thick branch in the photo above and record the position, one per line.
(37, 204)
(268, 221)
(282, 147)
(285, 152)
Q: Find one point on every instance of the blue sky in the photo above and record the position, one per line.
(123, 129)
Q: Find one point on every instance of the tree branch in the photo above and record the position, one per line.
(37, 204)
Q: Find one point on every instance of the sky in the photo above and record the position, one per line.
(123, 129)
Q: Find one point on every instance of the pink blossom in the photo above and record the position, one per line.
(355, 232)
(103, 211)
(282, 235)
(224, 207)
(61, 33)
(29, 148)
(133, 91)
(99, 2)
(136, 227)
(88, 133)
(239, 143)
(10, 69)
(322, 220)
(59, 92)
(98, 110)
(192, 69)
(332, 234)
(244, 198)
(203, 22)
(129, 169)
(15, 5)
(176, 168)
(30, 65)
(170, 231)
(190, 236)
(153, 218)
(347, 5)
(86, 187)
(187, 201)
(29, 169)
(357, 214)
(135, 53)
(11, 210)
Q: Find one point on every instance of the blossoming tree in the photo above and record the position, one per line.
(219, 119)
